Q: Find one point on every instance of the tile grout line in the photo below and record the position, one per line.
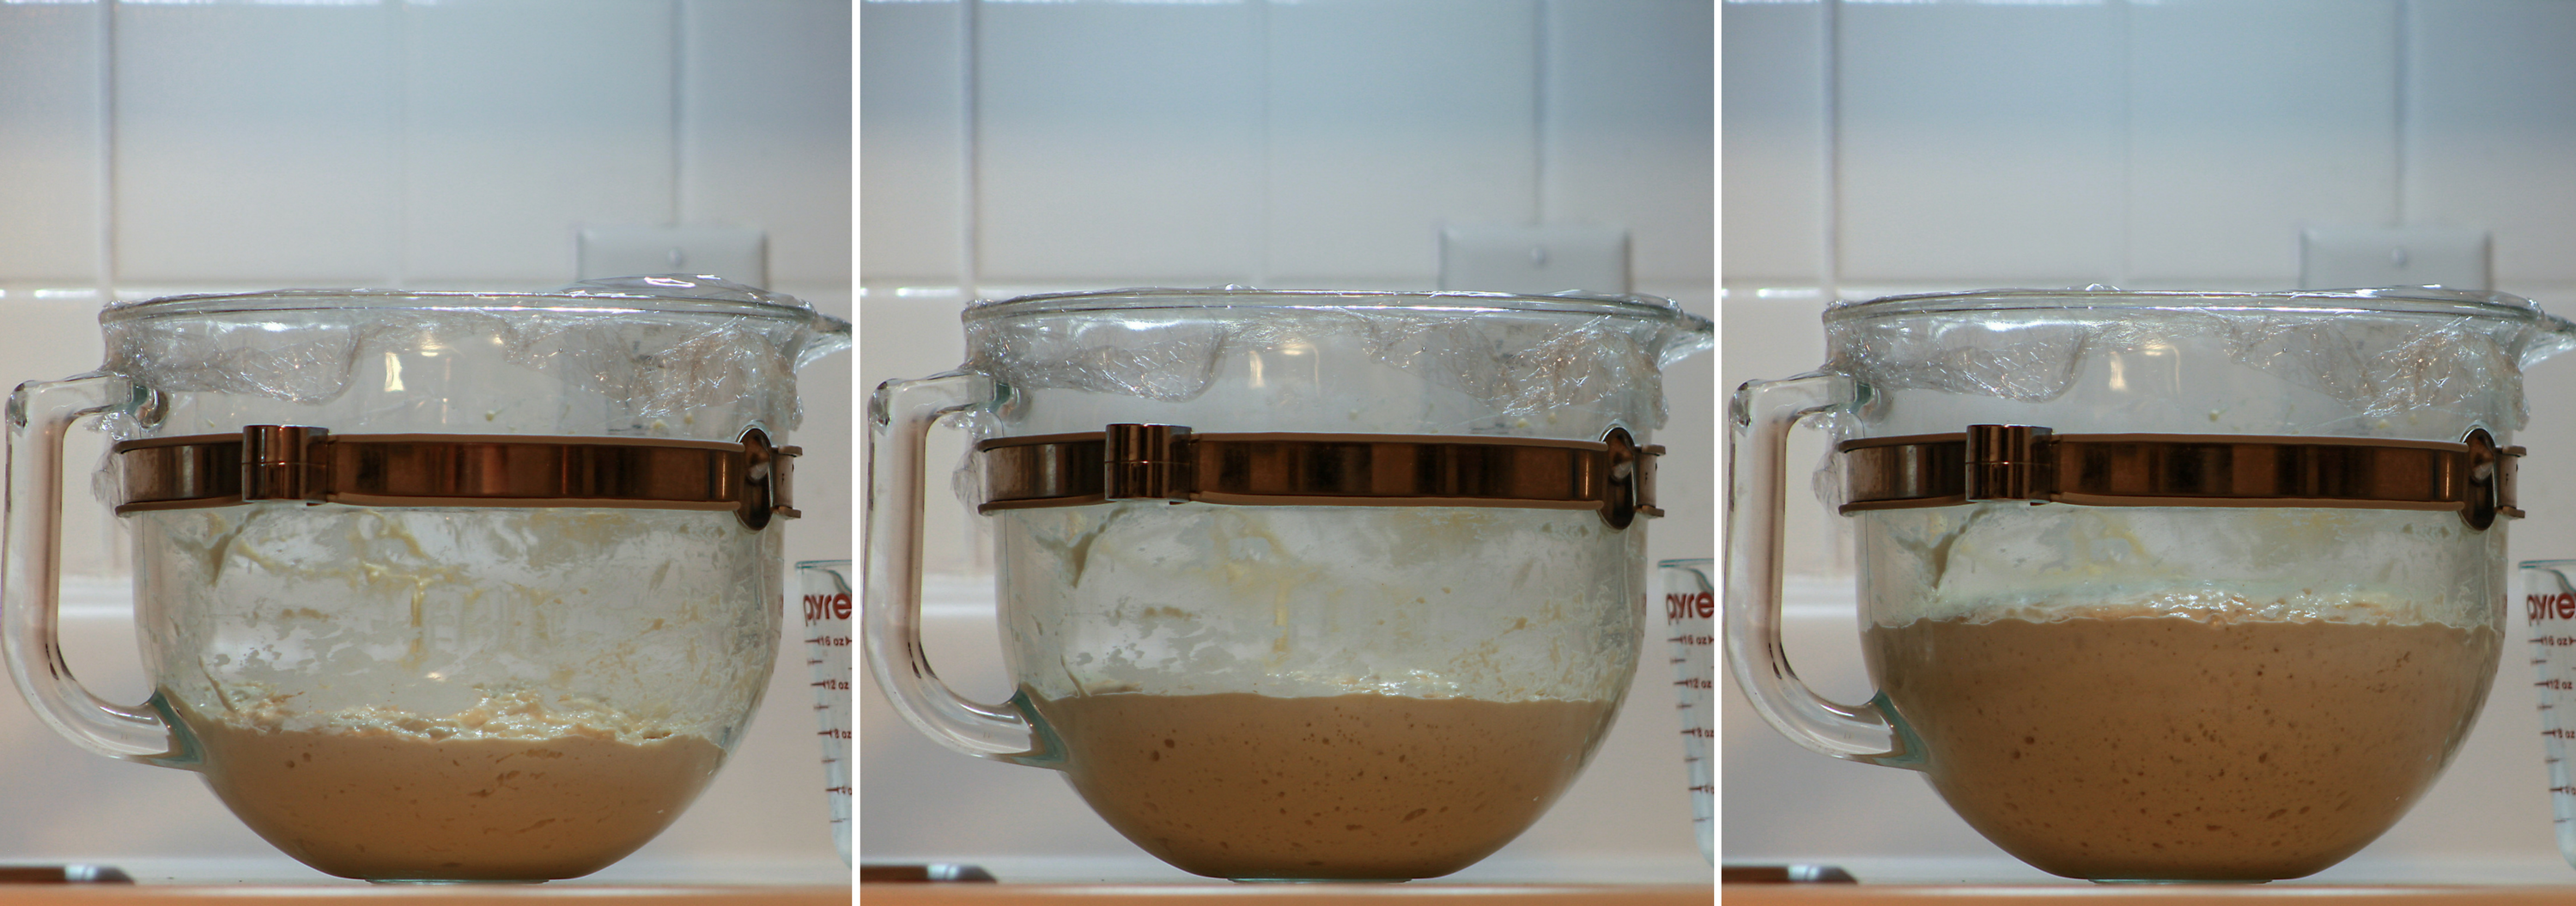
(1829, 77)
(1262, 212)
(2126, 66)
(1716, 282)
(679, 50)
(107, 156)
(969, 48)
(2398, 118)
(1538, 112)
(404, 271)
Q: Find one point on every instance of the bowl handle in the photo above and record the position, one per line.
(31, 572)
(1761, 415)
(900, 416)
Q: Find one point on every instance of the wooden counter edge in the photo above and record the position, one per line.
(440, 895)
(2138, 895)
(1301, 895)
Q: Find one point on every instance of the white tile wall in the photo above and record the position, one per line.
(765, 128)
(454, 144)
(519, 120)
(1628, 110)
(912, 151)
(2151, 144)
(1774, 137)
(257, 144)
(1873, 147)
(2246, 121)
(2490, 114)
(1134, 126)
(1275, 143)
(148, 148)
(1978, 140)
(1016, 147)
(1385, 120)
(54, 146)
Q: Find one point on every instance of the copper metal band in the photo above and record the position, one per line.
(1613, 476)
(2022, 462)
(286, 462)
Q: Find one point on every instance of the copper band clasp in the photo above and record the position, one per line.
(2474, 477)
(750, 477)
(1614, 476)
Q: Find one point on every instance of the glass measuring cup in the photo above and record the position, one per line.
(824, 589)
(1294, 586)
(2549, 609)
(1690, 623)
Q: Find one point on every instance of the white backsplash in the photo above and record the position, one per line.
(1273, 143)
(2180, 143)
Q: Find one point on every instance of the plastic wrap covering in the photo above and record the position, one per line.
(1237, 360)
(665, 356)
(2416, 363)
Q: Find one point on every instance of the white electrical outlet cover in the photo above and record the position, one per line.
(738, 254)
(2360, 257)
(1537, 260)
